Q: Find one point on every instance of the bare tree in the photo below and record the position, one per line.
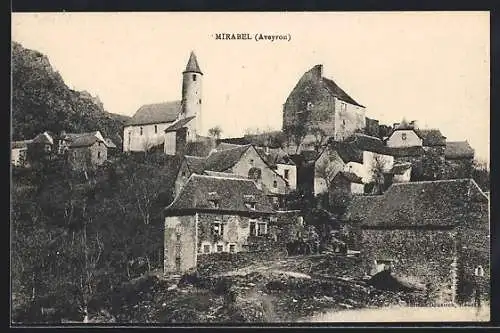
(295, 134)
(377, 170)
(320, 138)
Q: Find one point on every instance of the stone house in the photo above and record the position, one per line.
(435, 233)
(19, 153)
(213, 214)
(317, 102)
(65, 139)
(281, 162)
(87, 151)
(409, 135)
(147, 127)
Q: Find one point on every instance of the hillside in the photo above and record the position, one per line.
(42, 101)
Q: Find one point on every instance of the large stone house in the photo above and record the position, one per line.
(434, 233)
(213, 214)
(169, 123)
(241, 160)
(317, 102)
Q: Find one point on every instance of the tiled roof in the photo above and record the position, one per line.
(338, 92)
(231, 193)
(427, 203)
(274, 156)
(20, 144)
(431, 137)
(458, 150)
(400, 168)
(177, 125)
(225, 159)
(157, 113)
(198, 148)
(365, 142)
(359, 207)
(236, 141)
(350, 176)
(347, 152)
(83, 141)
(192, 65)
(226, 146)
(44, 137)
(195, 164)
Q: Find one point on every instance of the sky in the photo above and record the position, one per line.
(432, 67)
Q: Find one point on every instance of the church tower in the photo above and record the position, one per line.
(191, 97)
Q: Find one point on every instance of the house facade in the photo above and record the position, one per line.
(213, 214)
(147, 128)
(87, 151)
(435, 233)
(280, 161)
(19, 153)
(317, 102)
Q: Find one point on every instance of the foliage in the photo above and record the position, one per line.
(481, 174)
(74, 240)
(215, 132)
(295, 134)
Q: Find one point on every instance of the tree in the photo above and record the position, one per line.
(481, 174)
(320, 138)
(377, 169)
(215, 132)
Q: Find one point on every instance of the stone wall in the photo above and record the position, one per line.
(179, 244)
(348, 119)
(424, 256)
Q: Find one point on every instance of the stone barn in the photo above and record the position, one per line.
(435, 233)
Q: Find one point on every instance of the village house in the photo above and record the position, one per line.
(86, 151)
(406, 134)
(281, 162)
(318, 103)
(169, 123)
(239, 160)
(213, 214)
(19, 153)
(434, 233)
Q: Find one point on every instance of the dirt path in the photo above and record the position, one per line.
(405, 314)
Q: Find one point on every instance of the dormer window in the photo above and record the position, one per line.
(403, 136)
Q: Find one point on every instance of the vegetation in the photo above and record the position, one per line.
(41, 101)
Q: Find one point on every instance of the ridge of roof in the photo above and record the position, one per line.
(164, 112)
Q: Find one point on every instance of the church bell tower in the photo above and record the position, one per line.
(191, 97)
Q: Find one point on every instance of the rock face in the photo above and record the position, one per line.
(42, 101)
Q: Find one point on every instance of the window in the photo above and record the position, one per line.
(178, 237)
(232, 248)
(251, 161)
(194, 77)
(252, 228)
(199, 101)
(156, 129)
(183, 174)
(206, 248)
(275, 184)
(286, 175)
(214, 203)
(261, 229)
(220, 247)
(140, 130)
(309, 106)
(178, 264)
(98, 154)
(403, 136)
(343, 122)
(218, 228)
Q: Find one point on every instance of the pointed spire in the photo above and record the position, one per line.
(192, 65)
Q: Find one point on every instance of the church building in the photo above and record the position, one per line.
(172, 124)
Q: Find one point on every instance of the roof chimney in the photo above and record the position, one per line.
(318, 71)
